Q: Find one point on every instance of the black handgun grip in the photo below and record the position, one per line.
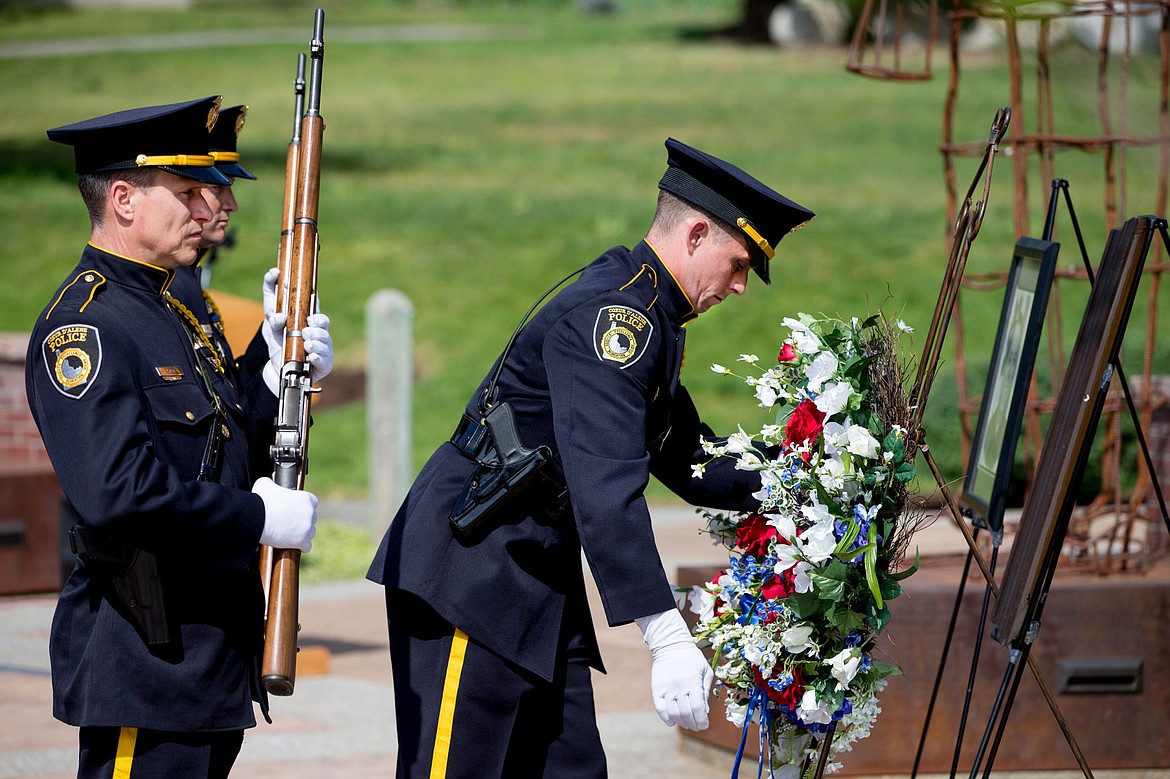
(501, 424)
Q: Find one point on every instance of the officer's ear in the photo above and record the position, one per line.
(698, 230)
(121, 199)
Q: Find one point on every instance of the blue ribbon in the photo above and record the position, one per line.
(759, 697)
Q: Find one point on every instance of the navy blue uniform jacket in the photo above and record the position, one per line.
(112, 384)
(595, 377)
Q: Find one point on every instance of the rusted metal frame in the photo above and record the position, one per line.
(856, 58)
(967, 224)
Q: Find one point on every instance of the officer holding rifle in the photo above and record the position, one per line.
(152, 432)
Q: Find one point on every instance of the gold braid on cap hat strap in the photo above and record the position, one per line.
(192, 160)
(760, 240)
(225, 156)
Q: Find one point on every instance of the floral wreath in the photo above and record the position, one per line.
(793, 619)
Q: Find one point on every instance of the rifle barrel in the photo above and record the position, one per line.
(298, 280)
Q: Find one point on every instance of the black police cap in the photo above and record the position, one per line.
(764, 215)
(224, 137)
(171, 137)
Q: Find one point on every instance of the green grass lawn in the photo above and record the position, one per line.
(471, 173)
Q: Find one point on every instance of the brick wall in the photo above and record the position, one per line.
(20, 443)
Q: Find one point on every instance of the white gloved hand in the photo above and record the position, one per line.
(273, 332)
(680, 677)
(318, 346)
(290, 516)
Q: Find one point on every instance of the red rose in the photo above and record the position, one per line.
(805, 424)
(790, 696)
(787, 354)
(780, 586)
(754, 534)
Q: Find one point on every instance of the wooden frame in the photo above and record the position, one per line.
(989, 465)
(1036, 549)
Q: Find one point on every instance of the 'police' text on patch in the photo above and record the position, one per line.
(621, 334)
(73, 355)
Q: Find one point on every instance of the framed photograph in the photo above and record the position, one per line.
(989, 466)
(1044, 521)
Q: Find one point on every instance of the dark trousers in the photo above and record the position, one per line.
(138, 753)
(466, 713)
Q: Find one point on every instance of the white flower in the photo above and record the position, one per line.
(702, 603)
(816, 512)
(905, 328)
(717, 368)
(758, 651)
(697, 470)
(749, 358)
(819, 542)
(823, 368)
(834, 437)
(738, 443)
(766, 395)
(813, 711)
(803, 339)
(845, 665)
(831, 473)
(861, 443)
(772, 434)
(749, 461)
(834, 399)
(736, 712)
(797, 638)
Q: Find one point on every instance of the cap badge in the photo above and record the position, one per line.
(213, 113)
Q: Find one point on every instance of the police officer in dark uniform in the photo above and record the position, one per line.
(189, 287)
(490, 633)
(156, 638)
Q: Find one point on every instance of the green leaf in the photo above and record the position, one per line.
(871, 566)
(880, 670)
(804, 605)
(783, 412)
(847, 539)
(849, 621)
(905, 473)
(895, 445)
(890, 588)
(827, 587)
(879, 618)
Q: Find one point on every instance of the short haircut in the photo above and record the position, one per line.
(672, 210)
(95, 188)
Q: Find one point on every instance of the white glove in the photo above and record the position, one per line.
(318, 346)
(680, 677)
(273, 332)
(318, 341)
(290, 516)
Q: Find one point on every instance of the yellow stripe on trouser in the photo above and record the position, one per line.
(125, 755)
(447, 708)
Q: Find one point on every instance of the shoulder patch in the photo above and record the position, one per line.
(621, 334)
(73, 356)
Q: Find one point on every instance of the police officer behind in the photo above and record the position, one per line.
(157, 634)
(491, 639)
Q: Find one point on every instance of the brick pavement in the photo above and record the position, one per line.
(340, 723)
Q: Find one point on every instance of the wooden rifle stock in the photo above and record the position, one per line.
(290, 451)
(284, 258)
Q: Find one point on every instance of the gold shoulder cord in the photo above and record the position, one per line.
(196, 330)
